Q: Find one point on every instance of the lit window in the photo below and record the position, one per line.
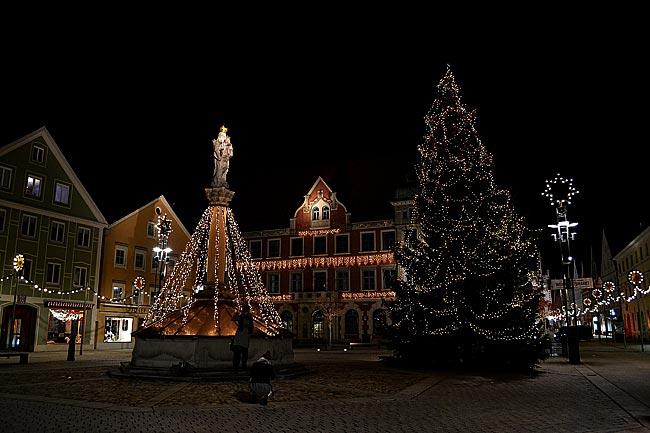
(118, 329)
(61, 193)
(33, 186)
(315, 212)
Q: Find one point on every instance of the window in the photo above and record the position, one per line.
(342, 243)
(368, 241)
(287, 320)
(5, 177)
(256, 249)
(83, 237)
(368, 279)
(388, 277)
(315, 213)
(3, 218)
(296, 281)
(79, 277)
(118, 329)
(342, 280)
(28, 226)
(379, 322)
(274, 248)
(318, 324)
(153, 293)
(136, 297)
(118, 291)
(33, 186)
(410, 236)
(387, 240)
(273, 282)
(351, 324)
(61, 325)
(320, 245)
(38, 153)
(120, 256)
(57, 232)
(53, 273)
(151, 229)
(320, 281)
(27, 270)
(296, 246)
(326, 212)
(61, 194)
(140, 259)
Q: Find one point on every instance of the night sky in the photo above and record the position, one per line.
(134, 111)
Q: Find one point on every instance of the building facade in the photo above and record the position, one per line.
(51, 235)
(329, 277)
(629, 270)
(140, 249)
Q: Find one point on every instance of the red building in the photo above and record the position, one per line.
(327, 276)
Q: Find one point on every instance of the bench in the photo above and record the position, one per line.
(23, 355)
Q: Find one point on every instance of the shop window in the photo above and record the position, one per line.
(62, 324)
(118, 329)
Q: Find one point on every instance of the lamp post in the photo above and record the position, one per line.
(635, 278)
(560, 192)
(609, 287)
(19, 262)
(162, 251)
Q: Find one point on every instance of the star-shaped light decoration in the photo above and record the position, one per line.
(560, 191)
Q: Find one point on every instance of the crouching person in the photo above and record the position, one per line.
(262, 373)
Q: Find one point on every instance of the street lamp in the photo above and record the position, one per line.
(560, 192)
(19, 263)
(635, 278)
(162, 251)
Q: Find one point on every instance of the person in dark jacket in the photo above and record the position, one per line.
(241, 341)
(262, 373)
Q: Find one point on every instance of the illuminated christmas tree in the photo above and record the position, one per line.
(468, 290)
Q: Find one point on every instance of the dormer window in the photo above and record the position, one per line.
(315, 213)
(326, 212)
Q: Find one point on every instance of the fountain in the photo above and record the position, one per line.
(189, 326)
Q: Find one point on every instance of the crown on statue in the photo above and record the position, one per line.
(223, 128)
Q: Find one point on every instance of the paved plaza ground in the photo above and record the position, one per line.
(347, 391)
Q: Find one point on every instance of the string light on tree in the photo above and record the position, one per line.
(470, 273)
